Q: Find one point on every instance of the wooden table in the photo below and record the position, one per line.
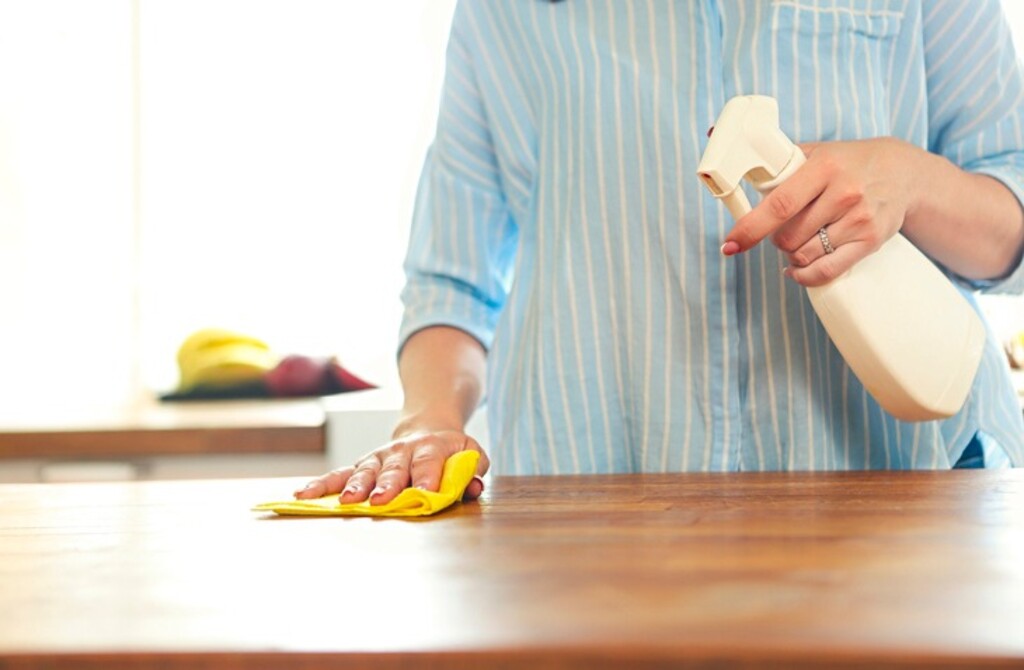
(851, 570)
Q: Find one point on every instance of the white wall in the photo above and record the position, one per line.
(66, 227)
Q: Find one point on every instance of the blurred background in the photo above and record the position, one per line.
(170, 165)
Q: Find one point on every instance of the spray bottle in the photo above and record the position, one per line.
(909, 336)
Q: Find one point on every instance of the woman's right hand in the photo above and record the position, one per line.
(412, 459)
(442, 370)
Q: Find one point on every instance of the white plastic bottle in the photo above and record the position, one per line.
(909, 336)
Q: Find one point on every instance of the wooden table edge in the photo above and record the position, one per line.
(91, 444)
(552, 658)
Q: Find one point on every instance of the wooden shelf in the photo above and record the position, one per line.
(152, 428)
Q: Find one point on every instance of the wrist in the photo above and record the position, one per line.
(928, 171)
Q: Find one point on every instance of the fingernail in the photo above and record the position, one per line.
(352, 489)
(378, 491)
(730, 248)
(479, 480)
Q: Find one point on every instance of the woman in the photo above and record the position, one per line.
(563, 242)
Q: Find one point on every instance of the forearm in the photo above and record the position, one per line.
(972, 224)
(442, 371)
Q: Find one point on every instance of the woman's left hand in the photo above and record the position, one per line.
(858, 192)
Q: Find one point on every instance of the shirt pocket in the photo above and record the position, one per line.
(843, 65)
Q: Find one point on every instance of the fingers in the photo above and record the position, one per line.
(777, 209)
(392, 478)
(362, 481)
(812, 264)
(428, 460)
(813, 248)
(474, 489)
(327, 484)
(837, 202)
(852, 238)
(830, 266)
(483, 465)
(855, 191)
(413, 461)
(426, 464)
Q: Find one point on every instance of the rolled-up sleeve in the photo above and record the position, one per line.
(463, 238)
(975, 96)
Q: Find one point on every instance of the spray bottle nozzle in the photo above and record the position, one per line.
(746, 142)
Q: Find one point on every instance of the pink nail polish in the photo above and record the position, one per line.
(730, 248)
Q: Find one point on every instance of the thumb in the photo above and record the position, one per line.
(474, 489)
(476, 485)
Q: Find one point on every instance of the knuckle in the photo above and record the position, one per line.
(395, 458)
(449, 442)
(338, 472)
(464, 442)
(851, 196)
(781, 205)
(426, 455)
(408, 447)
(786, 241)
(744, 238)
(828, 269)
(867, 228)
(380, 455)
(862, 220)
(363, 476)
(367, 465)
(403, 441)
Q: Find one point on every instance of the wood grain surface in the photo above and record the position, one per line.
(850, 570)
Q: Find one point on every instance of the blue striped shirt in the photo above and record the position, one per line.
(560, 222)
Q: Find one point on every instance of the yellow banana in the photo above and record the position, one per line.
(219, 357)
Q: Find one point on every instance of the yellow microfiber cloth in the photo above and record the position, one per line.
(455, 477)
